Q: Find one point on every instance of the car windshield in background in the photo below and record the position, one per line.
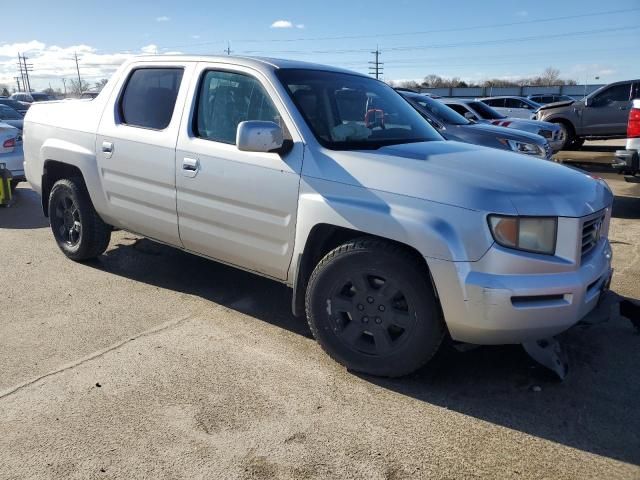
(41, 97)
(8, 113)
(440, 110)
(350, 112)
(485, 111)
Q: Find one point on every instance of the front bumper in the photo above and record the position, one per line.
(488, 309)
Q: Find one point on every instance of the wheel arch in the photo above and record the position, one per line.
(323, 238)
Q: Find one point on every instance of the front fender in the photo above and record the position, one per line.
(434, 229)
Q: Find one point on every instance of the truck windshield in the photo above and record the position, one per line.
(353, 112)
(485, 111)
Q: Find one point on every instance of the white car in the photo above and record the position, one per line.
(516, 107)
(330, 182)
(11, 153)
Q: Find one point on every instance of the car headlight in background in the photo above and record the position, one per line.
(525, 148)
(531, 234)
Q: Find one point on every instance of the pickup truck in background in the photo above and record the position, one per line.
(330, 182)
(600, 115)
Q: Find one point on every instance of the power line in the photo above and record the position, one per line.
(421, 32)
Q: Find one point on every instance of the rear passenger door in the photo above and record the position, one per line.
(608, 111)
(136, 149)
(234, 206)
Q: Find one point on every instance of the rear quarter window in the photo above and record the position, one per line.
(149, 97)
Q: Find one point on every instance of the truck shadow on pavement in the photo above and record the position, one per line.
(592, 410)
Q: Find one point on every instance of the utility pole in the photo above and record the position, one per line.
(78, 70)
(376, 66)
(64, 85)
(228, 49)
(18, 82)
(28, 67)
(24, 83)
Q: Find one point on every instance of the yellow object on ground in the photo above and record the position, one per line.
(5, 185)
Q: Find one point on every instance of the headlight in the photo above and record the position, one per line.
(526, 148)
(531, 234)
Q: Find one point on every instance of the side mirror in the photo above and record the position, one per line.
(587, 101)
(260, 136)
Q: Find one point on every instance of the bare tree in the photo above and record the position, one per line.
(550, 76)
(4, 89)
(77, 88)
(101, 83)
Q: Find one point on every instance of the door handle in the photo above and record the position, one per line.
(107, 149)
(190, 167)
(622, 108)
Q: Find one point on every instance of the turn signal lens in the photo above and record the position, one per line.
(531, 234)
(10, 143)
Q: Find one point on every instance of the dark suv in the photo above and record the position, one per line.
(600, 115)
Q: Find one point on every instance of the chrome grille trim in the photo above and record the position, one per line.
(591, 231)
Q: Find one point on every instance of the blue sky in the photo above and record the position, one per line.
(471, 40)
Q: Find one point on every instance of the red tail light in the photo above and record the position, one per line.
(633, 127)
(9, 143)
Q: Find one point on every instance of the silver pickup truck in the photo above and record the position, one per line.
(330, 182)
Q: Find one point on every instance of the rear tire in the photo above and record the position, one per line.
(79, 231)
(372, 308)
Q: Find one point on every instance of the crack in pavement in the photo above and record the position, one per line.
(161, 328)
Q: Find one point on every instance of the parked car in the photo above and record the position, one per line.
(30, 97)
(10, 116)
(545, 98)
(389, 236)
(600, 115)
(516, 107)
(21, 108)
(478, 111)
(627, 160)
(454, 126)
(11, 152)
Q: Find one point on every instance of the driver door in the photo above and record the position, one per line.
(607, 112)
(235, 206)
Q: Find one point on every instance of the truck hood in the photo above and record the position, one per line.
(557, 104)
(468, 176)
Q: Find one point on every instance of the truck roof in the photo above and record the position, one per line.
(258, 63)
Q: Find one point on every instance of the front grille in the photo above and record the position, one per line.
(591, 230)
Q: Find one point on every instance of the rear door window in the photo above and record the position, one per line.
(149, 98)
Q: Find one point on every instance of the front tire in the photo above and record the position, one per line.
(372, 308)
(571, 141)
(77, 228)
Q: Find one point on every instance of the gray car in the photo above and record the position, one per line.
(19, 107)
(480, 112)
(600, 115)
(10, 116)
(454, 126)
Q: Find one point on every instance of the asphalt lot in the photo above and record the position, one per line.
(152, 363)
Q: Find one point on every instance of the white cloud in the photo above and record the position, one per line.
(163, 18)
(522, 13)
(300, 25)
(150, 49)
(52, 63)
(195, 37)
(282, 24)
